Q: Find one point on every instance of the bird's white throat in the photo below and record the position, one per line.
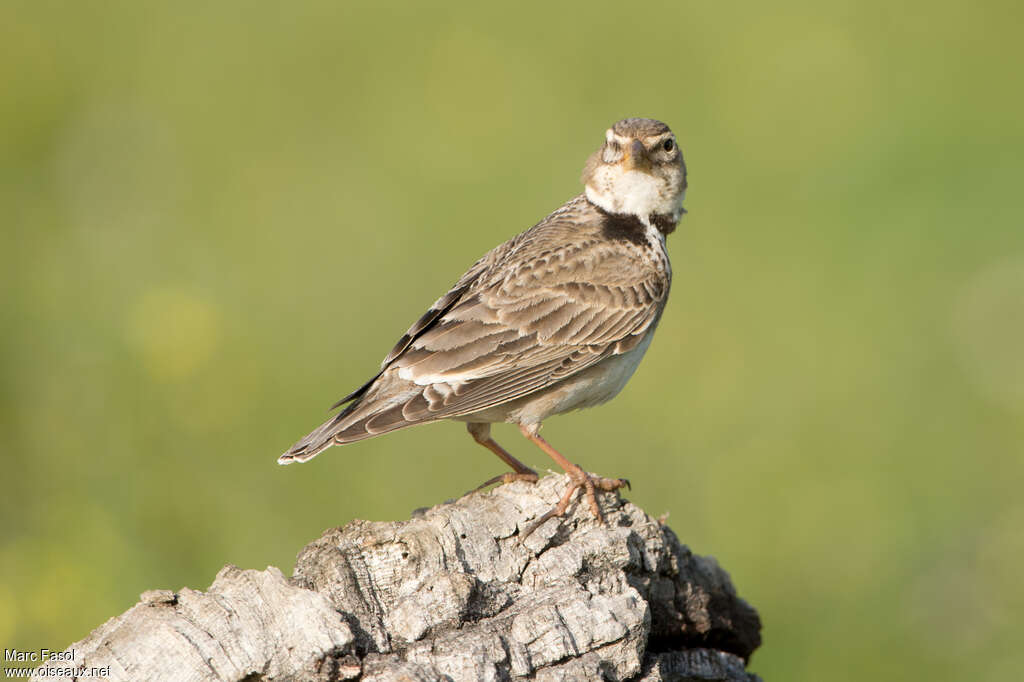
(634, 192)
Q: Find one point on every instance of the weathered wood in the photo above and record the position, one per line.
(454, 593)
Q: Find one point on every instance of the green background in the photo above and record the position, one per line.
(217, 218)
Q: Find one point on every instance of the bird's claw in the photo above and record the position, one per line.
(508, 477)
(590, 485)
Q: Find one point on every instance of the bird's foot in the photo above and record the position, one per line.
(590, 485)
(529, 476)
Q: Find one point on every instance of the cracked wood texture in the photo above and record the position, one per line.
(454, 593)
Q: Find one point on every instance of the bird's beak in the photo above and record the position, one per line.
(635, 157)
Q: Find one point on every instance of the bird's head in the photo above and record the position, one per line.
(639, 170)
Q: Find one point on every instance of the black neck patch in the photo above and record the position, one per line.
(629, 228)
(623, 227)
(664, 222)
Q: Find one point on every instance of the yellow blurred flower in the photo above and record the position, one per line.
(174, 332)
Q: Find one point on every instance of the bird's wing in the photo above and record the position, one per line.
(547, 316)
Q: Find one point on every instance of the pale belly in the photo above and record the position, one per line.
(593, 386)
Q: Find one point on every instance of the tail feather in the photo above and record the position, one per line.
(358, 421)
(317, 440)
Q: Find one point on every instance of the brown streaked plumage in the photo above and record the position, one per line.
(555, 319)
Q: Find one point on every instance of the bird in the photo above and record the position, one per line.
(555, 319)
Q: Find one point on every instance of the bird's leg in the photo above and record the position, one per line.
(580, 478)
(482, 434)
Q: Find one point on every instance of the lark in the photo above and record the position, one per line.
(555, 319)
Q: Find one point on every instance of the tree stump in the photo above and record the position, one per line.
(454, 593)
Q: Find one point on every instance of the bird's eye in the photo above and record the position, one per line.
(668, 145)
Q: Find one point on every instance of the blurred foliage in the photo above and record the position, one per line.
(217, 217)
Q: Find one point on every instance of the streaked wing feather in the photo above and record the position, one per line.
(440, 307)
(453, 297)
(497, 348)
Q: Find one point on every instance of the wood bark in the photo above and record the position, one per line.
(454, 593)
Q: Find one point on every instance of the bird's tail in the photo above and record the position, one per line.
(362, 419)
(317, 440)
